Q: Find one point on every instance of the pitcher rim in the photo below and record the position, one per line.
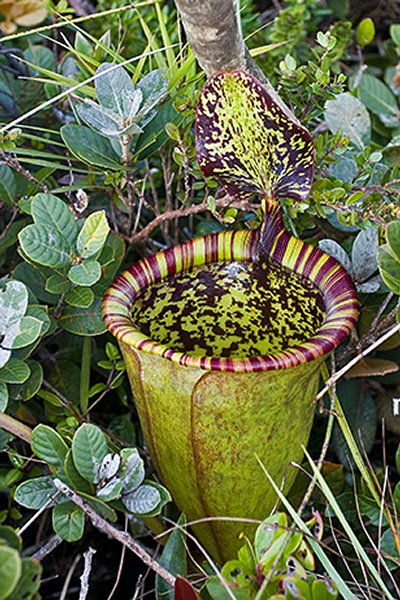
(334, 283)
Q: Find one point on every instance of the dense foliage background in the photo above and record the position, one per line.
(114, 158)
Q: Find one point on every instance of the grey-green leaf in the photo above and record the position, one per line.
(364, 254)
(143, 500)
(132, 469)
(112, 84)
(334, 249)
(87, 273)
(104, 120)
(379, 99)
(89, 447)
(45, 245)
(3, 397)
(13, 304)
(348, 114)
(35, 493)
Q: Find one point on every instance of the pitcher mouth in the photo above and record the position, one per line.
(336, 288)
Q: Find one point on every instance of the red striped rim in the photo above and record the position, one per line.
(322, 270)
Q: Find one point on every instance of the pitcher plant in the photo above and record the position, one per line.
(224, 336)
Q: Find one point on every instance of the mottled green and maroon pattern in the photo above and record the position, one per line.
(246, 141)
(333, 291)
(231, 309)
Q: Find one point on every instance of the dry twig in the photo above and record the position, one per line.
(121, 536)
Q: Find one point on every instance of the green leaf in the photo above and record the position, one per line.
(48, 445)
(83, 321)
(393, 238)
(246, 140)
(398, 459)
(100, 507)
(57, 284)
(87, 273)
(68, 521)
(110, 259)
(8, 186)
(76, 481)
(79, 296)
(26, 390)
(174, 559)
(10, 570)
(365, 32)
(41, 56)
(93, 234)
(348, 114)
(361, 414)
(89, 146)
(30, 329)
(389, 268)
(15, 371)
(36, 492)
(143, 500)
(89, 447)
(53, 212)
(45, 246)
(395, 34)
(3, 397)
(10, 537)
(268, 532)
(378, 98)
(29, 582)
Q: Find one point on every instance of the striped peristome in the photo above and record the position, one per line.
(334, 284)
(246, 141)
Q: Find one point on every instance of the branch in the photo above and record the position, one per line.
(121, 536)
(15, 164)
(212, 31)
(185, 212)
(16, 427)
(88, 558)
(355, 360)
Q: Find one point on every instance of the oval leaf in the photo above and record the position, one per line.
(89, 447)
(48, 445)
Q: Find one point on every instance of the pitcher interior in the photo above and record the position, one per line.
(231, 309)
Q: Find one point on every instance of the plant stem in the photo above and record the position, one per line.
(15, 427)
(121, 536)
(85, 373)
